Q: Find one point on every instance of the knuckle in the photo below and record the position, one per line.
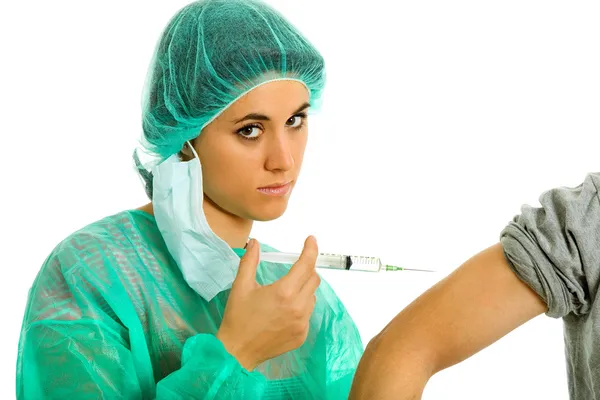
(284, 294)
(297, 311)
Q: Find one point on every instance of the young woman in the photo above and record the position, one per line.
(155, 302)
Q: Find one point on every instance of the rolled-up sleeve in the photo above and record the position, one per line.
(555, 248)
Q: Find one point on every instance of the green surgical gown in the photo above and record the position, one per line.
(110, 316)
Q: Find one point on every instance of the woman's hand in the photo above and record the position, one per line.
(262, 322)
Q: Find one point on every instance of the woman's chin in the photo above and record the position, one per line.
(269, 213)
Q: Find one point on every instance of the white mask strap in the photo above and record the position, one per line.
(193, 150)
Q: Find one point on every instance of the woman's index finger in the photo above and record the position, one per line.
(302, 269)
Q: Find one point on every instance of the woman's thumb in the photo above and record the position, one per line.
(248, 263)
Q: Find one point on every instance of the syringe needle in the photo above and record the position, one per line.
(394, 268)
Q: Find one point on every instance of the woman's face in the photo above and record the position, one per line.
(252, 153)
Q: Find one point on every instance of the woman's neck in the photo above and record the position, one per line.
(234, 230)
(231, 228)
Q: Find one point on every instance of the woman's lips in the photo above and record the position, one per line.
(276, 190)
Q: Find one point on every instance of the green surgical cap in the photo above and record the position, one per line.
(210, 54)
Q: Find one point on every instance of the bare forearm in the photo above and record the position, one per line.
(476, 305)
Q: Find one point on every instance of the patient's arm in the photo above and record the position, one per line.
(476, 305)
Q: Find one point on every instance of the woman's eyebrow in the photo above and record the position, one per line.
(302, 108)
(262, 117)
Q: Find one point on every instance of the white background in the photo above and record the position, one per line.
(441, 119)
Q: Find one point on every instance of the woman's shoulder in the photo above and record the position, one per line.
(104, 241)
(83, 270)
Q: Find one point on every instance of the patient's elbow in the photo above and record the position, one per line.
(389, 370)
(412, 357)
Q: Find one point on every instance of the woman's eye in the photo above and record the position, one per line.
(249, 132)
(295, 121)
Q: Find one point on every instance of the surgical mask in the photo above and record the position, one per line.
(208, 264)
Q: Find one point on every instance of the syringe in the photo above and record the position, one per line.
(338, 261)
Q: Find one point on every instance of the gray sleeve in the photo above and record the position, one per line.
(555, 249)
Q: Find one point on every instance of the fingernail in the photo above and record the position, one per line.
(250, 244)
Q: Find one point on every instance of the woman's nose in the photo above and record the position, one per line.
(279, 153)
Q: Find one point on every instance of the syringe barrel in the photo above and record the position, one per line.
(334, 261)
(368, 264)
